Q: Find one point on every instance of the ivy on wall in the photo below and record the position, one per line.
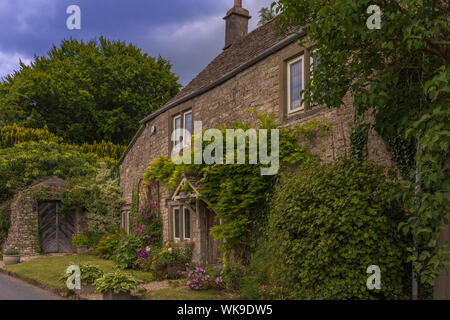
(358, 141)
(238, 193)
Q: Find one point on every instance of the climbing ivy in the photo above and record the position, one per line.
(358, 141)
(238, 192)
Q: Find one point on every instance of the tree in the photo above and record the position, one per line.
(401, 74)
(265, 15)
(83, 92)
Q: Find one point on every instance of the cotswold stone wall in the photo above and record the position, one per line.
(259, 87)
(23, 231)
(24, 228)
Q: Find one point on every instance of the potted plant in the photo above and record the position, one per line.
(80, 242)
(11, 255)
(89, 273)
(116, 286)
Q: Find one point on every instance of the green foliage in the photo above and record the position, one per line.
(171, 260)
(14, 134)
(83, 240)
(5, 214)
(116, 282)
(24, 163)
(358, 141)
(104, 149)
(107, 245)
(401, 74)
(328, 223)
(100, 196)
(80, 240)
(124, 253)
(89, 273)
(265, 15)
(88, 91)
(236, 192)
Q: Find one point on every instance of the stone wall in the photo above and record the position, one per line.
(24, 228)
(259, 87)
(23, 231)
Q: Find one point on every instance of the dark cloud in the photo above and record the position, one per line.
(189, 33)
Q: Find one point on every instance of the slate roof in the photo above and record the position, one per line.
(238, 55)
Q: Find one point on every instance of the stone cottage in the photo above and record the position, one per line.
(255, 70)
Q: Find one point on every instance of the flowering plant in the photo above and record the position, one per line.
(201, 276)
(11, 250)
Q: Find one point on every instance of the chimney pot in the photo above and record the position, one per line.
(236, 23)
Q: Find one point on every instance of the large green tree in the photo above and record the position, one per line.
(401, 73)
(83, 92)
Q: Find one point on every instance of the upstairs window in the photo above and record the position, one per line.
(182, 121)
(296, 82)
(187, 127)
(177, 126)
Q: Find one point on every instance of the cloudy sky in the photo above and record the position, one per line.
(189, 33)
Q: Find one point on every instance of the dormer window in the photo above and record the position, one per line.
(296, 82)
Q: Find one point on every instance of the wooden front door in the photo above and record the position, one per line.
(56, 229)
(211, 246)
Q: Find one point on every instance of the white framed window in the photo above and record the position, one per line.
(187, 117)
(176, 223)
(187, 224)
(296, 83)
(177, 126)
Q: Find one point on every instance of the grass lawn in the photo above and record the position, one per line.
(183, 293)
(48, 270)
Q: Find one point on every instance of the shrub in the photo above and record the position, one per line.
(201, 276)
(106, 247)
(100, 196)
(233, 276)
(89, 273)
(26, 162)
(170, 262)
(83, 240)
(116, 282)
(328, 223)
(5, 213)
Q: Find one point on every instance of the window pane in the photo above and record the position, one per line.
(176, 222)
(188, 126)
(177, 125)
(296, 84)
(187, 224)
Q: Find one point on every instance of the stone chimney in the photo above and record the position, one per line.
(236, 23)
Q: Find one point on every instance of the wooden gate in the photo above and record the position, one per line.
(56, 229)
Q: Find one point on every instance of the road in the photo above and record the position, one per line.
(14, 289)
